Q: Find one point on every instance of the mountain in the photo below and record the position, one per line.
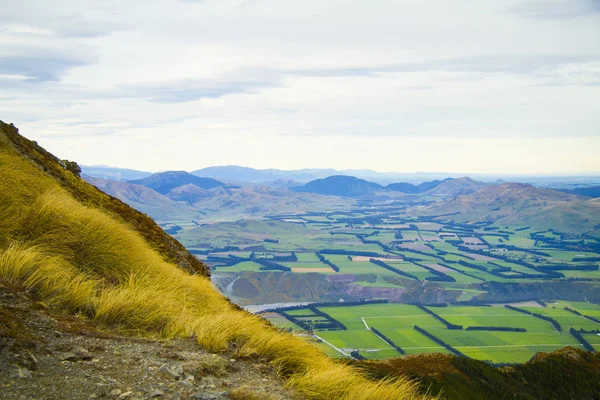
(91, 261)
(190, 202)
(265, 200)
(164, 182)
(189, 193)
(339, 185)
(409, 188)
(146, 200)
(591, 191)
(520, 204)
(238, 174)
(454, 187)
(116, 174)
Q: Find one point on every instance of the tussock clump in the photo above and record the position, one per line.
(78, 259)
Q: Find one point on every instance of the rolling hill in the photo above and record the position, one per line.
(455, 187)
(409, 188)
(522, 204)
(164, 182)
(339, 185)
(146, 200)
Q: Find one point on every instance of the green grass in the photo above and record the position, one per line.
(307, 257)
(359, 339)
(566, 319)
(412, 341)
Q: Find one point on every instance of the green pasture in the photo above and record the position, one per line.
(359, 339)
(565, 318)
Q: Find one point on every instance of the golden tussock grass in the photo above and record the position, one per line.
(80, 260)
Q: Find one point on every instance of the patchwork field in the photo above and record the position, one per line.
(530, 334)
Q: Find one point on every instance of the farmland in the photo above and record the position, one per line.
(463, 272)
(368, 326)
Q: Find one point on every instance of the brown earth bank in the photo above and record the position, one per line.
(49, 357)
(245, 288)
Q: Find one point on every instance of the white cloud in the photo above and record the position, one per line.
(171, 85)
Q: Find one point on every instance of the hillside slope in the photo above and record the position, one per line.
(164, 182)
(78, 258)
(146, 200)
(522, 204)
(339, 185)
(455, 187)
(13, 144)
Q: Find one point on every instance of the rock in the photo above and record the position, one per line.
(156, 393)
(23, 373)
(186, 384)
(77, 354)
(170, 372)
(206, 396)
(82, 353)
(69, 357)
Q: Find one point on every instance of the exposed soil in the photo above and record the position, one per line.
(66, 357)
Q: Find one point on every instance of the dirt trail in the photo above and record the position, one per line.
(42, 357)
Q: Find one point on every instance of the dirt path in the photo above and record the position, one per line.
(42, 357)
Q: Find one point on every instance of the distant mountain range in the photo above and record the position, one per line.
(179, 195)
(164, 182)
(117, 174)
(591, 191)
(341, 185)
(246, 175)
(183, 196)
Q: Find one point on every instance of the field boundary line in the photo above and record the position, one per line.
(365, 322)
(332, 346)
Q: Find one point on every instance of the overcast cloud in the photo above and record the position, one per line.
(508, 86)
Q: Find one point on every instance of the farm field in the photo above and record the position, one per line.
(365, 323)
(384, 251)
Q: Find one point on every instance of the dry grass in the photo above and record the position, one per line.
(79, 259)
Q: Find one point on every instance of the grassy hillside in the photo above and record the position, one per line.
(80, 251)
(568, 373)
(57, 171)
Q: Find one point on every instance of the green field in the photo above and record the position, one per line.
(430, 258)
(397, 321)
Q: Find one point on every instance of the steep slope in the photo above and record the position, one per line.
(164, 182)
(339, 185)
(77, 258)
(523, 204)
(455, 187)
(146, 200)
(66, 175)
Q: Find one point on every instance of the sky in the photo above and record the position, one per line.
(473, 86)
